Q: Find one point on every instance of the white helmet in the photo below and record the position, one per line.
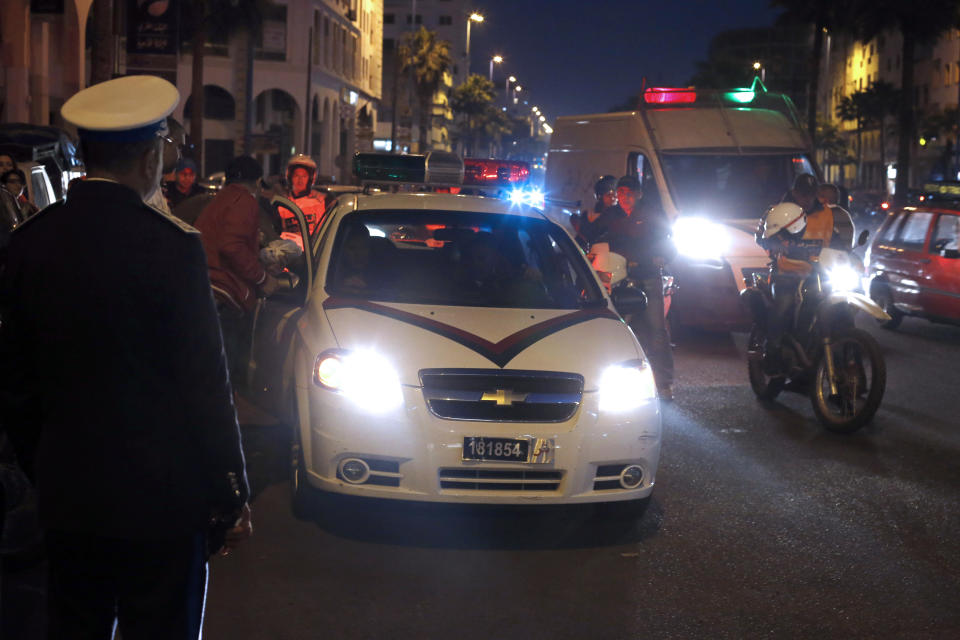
(786, 215)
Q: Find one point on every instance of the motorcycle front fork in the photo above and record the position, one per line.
(828, 356)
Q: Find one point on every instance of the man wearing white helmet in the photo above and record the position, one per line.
(301, 173)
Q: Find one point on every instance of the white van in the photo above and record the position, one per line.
(712, 160)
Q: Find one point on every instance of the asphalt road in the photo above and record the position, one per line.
(763, 525)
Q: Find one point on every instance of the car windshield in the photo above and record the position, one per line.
(460, 259)
(729, 186)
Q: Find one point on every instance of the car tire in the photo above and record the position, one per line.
(884, 298)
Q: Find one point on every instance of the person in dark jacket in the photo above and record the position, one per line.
(643, 237)
(114, 386)
(587, 224)
(230, 228)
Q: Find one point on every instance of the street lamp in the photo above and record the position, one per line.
(507, 83)
(494, 60)
(517, 89)
(757, 66)
(474, 17)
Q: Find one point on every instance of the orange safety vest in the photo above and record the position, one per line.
(313, 210)
(819, 227)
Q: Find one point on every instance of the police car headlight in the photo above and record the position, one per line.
(626, 386)
(365, 377)
(700, 238)
(843, 278)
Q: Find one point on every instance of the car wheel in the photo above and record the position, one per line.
(884, 298)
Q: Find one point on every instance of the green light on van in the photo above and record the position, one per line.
(743, 96)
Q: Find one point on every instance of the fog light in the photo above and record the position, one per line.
(631, 477)
(354, 470)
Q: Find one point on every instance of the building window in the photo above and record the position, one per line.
(388, 18)
(388, 44)
(419, 19)
(446, 20)
(272, 36)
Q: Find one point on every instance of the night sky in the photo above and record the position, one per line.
(585, 56)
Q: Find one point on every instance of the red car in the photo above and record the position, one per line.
(913, 265)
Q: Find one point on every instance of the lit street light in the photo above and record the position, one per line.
(494, 60)
(474, 17)
(757, 66)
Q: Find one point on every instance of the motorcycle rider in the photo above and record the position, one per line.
(301, 173)
(844, 231)
(643, 236)
(605, 191)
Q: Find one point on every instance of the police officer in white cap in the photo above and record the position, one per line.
(114, 385)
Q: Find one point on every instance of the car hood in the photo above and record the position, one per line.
(415, 337)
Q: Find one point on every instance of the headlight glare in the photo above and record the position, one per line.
(365, 377)
(700, 238)
(844, 278)
(626, 386)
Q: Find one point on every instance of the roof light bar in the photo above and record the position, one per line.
(493, 173)
(436, 167)
(667, 95)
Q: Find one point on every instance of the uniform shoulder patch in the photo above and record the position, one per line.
(172, 219)
(43, 212)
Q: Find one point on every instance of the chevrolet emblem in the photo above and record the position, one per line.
(503, 397)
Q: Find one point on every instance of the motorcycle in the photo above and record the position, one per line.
(823, 354)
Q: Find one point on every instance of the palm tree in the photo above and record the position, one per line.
(473, 100)
(853, 108)
(428, 58)
(824, 16)
(878, 103)
(200, 19)
(919, 23)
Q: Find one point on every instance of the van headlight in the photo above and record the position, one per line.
(366, 377)
(626, 386)
(700, 238)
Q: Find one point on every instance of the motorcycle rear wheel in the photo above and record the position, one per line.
(861, 377)
(765, 387)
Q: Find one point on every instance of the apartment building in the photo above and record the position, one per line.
(448, 18)
(315, 85)
(851, 66)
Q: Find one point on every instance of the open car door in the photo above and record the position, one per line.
(269, 378)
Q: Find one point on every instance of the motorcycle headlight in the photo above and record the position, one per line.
(365, 377)
(843, 278)
(700, 238)
(626, 386)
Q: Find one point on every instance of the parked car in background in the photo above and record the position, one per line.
(51, 149)
(913, 264)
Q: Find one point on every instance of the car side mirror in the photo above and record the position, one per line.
(288, 281)
(628, 298)
(862, 238)
(952, 254)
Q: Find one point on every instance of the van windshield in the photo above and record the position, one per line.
(728, 186)
(460, 259)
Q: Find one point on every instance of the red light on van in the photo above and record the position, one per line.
(884, 205)
(664, 95)
(494, 172)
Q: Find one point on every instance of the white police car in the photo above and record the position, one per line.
(454, 348)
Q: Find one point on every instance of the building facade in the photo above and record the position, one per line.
(315, 85)
(449, 19)
(852, 66)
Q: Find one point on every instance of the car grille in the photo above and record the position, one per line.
(501, 396)
(500, 479)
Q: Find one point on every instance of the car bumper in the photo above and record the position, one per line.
(414, 455)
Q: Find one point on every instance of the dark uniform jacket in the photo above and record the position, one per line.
(112, 369)
(639, 237)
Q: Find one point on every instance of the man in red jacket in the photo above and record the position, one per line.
(230, 230)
